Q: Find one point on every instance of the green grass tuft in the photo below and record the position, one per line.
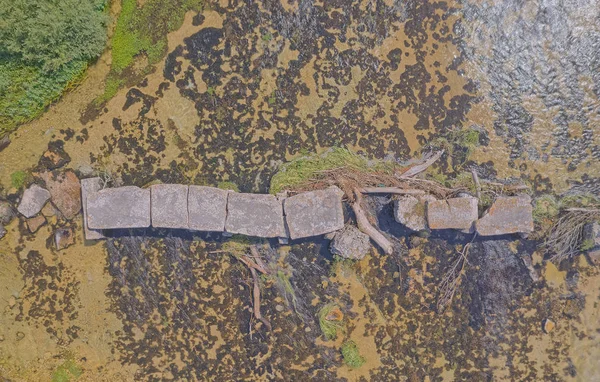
(68, 371)
(19, 179)
(226, 185)
(588, 244)
(329, 328)
(351, 355)
(545, 207)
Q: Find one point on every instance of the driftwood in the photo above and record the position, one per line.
(365, 226)
(567, 234)
(256, 300)
(421, 167)
(477, 184)
(391, 190)
(451, 280)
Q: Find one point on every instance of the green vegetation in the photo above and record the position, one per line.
(237, 245)
(226, 185)
(458, 144)
(68, 371)
(303, 169)
(19, 179)
(46, 47)
(587, 244)
(142, 31)
(545, 207)
(351, 355)
(329, 328)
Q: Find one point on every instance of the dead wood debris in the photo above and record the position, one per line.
(566, 236)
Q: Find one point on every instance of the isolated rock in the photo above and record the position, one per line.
(6, 212)
(169, 206)
(207, 208)
(63, 238)
(123, 207)
(65, 190)
(411, 211)
(35, 223)
(314, 213)
(33, 200)
(254, 215)
(548, 325)
(512, 214)
(88, 187)
(456, 213)
(350, 243)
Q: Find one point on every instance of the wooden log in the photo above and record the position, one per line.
(390, 190)
(477, 184)
(256, 300)
(365, 226)
(421, 167)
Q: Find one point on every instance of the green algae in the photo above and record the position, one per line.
(351, 355)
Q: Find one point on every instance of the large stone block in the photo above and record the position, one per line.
(513, 214)
(254, 215)
(314, 213)
(456, 213)
(123, 207)
(207, 207)
(169, 206)
(33, 201)
(411, 211)
(88, 187)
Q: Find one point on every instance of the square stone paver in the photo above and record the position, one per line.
(123, 207)
(169, 206)
(314, 213)
(207, 207)
(512, 214)
(456, 213)
(257, 215)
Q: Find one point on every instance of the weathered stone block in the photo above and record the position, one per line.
(507, 215)
(207, 208)
(65, 190)
(456, 213)
(314, 213)
(254, 215)
(411, 211)
(169, 206)
(350, 243)
(88, 187)
(33, 201)
(123, 207)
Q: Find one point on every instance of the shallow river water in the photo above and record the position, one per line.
(247, 86)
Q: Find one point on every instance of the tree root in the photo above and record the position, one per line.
(365, 226)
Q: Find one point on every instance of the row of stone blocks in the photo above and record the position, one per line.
(211, 209)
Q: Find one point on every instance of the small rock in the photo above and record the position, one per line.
(63, 238)
(411, 211)
(548, 325)
(6, 212)
(35, 223)
(350, 243)
(2, 231)
(55, 156)
(4, 142)
(307, 329)
(65, 190)
(335, 315)
(33, 200)
(279, 308)
(20, 336)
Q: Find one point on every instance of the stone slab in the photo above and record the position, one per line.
(123, 207)
(257, 215)
(410, 211)
(33, 201)
(207, 208)
(507, 215)
(455, 213)
(169, 206)
(90, 186)
(65, 191)
(314, 213)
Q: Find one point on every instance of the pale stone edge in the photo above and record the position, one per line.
(89, 234)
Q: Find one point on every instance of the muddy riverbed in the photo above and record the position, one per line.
(247, 86)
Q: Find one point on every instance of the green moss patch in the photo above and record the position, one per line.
(351, 355)
(329, 328)
(67, 371)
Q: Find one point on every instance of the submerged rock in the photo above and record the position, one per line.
(456, 213)
(513, 214)
(350, 243)
(6, 212)
(65, 190)
(257, 215)
(169, 206)
(314, 213)
(33, 201)
(411, 211)
(35, 223)
(123, 207)
(207, 208)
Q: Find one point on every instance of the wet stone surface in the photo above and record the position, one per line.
(123, 207)
(314, 213)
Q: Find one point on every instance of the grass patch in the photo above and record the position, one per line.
(588, 244)
(545, 207)
(237, 245)
(303, 169)
(328, 327)
(67, 371)
(19, 178)
(458, 144)
(226, 185)
(351, 355)
(142, 31)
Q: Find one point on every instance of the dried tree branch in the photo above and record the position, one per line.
(421, 167)
(365, 226)
(477, 184)
(452, 278)
(256, 300)
(391, 190)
